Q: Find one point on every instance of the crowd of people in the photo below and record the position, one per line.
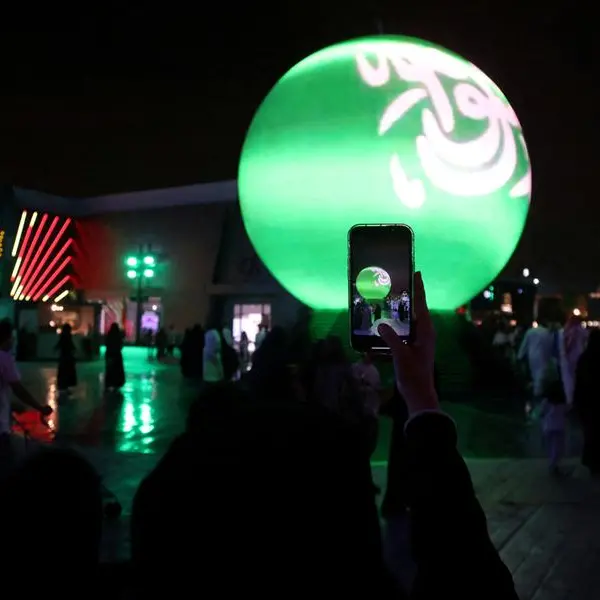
(269, 490)
(367, 313)
(559, 362)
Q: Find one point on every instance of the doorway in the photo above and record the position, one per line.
(249, 318)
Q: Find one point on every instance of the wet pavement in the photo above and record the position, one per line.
(153, 405)
(124, 435)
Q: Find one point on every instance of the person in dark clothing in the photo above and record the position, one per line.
(185, 362)
(395, 499)
(67, 371)
(270, 375)
(451, 546)
(161, 342)
(60, 483)
(300, 338)
(586, 402)
(114, 373)
(285, 488)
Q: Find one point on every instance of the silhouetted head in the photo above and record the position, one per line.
(262, 498)
(55, 495)
(270, 374)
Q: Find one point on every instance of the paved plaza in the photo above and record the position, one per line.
(547, 528)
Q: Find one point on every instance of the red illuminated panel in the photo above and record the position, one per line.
(42, 254)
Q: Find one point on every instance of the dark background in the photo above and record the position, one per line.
(110, 97)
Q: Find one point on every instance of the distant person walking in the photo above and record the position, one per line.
(212, 362)
(67, 371)
(537, 349)
(114, 373)
(10, 380)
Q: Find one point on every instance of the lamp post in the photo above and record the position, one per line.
(140, 267)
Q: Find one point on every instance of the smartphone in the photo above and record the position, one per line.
(380, 284)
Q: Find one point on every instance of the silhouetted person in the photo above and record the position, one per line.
(67, 372)
(276, 500)
(55, 496)
(114, 374)
(10, 382)
(185, 361)
(335, 387)
(161, 342)
(587, 402)
(270, 375)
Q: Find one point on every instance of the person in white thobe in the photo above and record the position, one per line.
(537, 348)
(212, 370)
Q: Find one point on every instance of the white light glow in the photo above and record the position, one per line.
(19, 233)
(61, 296)
(478, 167)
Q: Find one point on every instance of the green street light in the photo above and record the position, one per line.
(131, 274)
(148, 273)
(149, 261)
(132, 261)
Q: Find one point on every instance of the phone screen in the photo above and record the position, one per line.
(380, 266)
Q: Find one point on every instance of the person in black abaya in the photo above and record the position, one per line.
(185, 361)
(67, 371)
(587, 402)
(395, 500)
(114, 374)
(197, 349)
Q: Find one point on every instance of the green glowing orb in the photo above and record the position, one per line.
(373, 283)
(385, 130)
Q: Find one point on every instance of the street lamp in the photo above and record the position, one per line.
(140, 268)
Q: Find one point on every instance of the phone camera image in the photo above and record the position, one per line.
(375, 303)
(380, 268)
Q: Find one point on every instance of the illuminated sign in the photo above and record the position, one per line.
(42, 253)
(385, 130)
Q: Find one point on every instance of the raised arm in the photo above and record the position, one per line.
(451, 545)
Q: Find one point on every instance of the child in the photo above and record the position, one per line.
(553, 414)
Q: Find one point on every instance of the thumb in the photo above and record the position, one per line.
(388, 335)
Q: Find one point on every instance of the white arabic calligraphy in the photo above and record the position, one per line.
(382, 277)
(477, 167)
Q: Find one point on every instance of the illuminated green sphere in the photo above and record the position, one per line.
(385, 130)
(373, 283)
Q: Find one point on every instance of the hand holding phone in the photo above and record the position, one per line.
(414, 363)
(380, 282)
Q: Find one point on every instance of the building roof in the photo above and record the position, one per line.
(202, 193)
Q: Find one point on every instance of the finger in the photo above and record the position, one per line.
(422, 315)
(389, 336)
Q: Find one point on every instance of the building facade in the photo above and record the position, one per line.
(206, 267)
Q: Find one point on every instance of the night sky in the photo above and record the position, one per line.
(110, 101)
